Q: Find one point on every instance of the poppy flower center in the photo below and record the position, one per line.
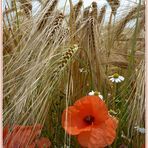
(89, 119)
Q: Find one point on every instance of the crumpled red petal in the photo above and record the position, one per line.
(43, 142)
(22, 135)
(99, 137)
(5, 132)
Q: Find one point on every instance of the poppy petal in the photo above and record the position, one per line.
(72, 121)
(33, 145)
(98, 131)
(73, 117)
(43, 142)
(99, 137)
(92, 105)
(5, 132)
(92, 138)
(23, 135)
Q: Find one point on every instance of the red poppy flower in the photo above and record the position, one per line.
(22, 136)
(88, 118)
(5, 132)
(43, 142)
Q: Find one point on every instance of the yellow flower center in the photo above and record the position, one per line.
(96, 93)
(116, 75)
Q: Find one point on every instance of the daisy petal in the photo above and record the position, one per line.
(110, 76)
(121, 78)
(112, 79)
(140, 130)
(116, 80)
(101, 97)
(91, 93)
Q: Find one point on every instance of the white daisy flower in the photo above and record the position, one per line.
(109, 94)
(140, 130)
(95, 93)
(116, 78)
(82, 70)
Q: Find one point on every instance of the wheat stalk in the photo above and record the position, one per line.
(101, 14)
(48, 12)
(126, 19)
(27, 7)
(77, 8)
(94, 12)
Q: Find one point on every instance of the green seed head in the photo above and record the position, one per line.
(116, 75)
(96, 93)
